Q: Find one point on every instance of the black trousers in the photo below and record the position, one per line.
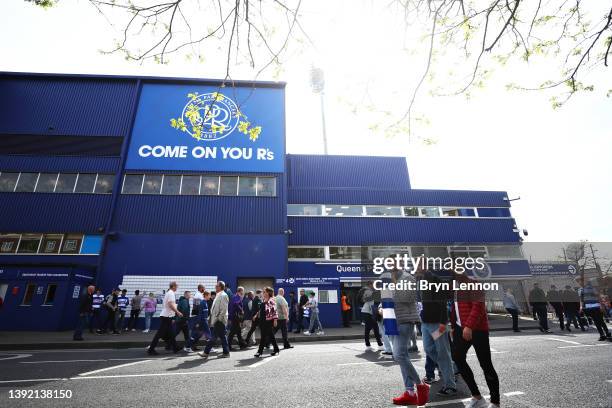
(559, 313)
(109, 323)
(267, 335)
(164, 332)
(134, 313)
(346, 318)
(254, 325)
(282, 326)
(597, 317)
(235, 330)
(514, 314)
(300, 321)
(571, 317)
(542, 314)
(182, 326)
(370, 324)
(480, 341)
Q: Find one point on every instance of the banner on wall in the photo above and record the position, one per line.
(208, 128)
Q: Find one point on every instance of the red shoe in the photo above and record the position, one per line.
(406, 399)
(422, 393)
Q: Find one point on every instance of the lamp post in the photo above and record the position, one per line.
(317, 82)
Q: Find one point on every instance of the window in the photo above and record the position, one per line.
(26, 182)
(411, 211)
(65, 183)
(8, 181)
(343, 210)
(132, 184)
(104, 184)
(389, 251)
(85, 183)
(229, 186)
(50, 244)
(430, 251)
(247, 186)
(72, 244)
(504, 252)
(306, 253)
(50, 296)
(494, 212)
(457, 212)
(468, 251)
(171, 185)
(46, 182)
(210, 185)
(304, 209)
(429, 211)
(383, 211)
(344, 252)
(29, 294)
(8, 243)
(29, 244)
(152, 184)
(191, 185)
(266, 186)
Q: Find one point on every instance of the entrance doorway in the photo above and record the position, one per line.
(351, 290)
(254, 283)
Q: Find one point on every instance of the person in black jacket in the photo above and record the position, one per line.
(571, 306)
(300, 311)
(554, 298)
(255, 306)
(85, 309)
(436, 342)
(537, 299)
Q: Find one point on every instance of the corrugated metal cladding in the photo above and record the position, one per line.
(200, 214)
(358, 231)
(365, 172)
(65, 106)
(39, 212)
(390, 197)
(59, 164)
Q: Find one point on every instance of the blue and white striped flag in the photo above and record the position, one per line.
(388, 307)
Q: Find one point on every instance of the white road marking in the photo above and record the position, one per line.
(584, 345)
(610, 381)
(157, 374)
(510, 394)
(33, 380)
(263, 361)
(112, 368)
(80, 361)
(562, 340)
(463, 400)
(375, 362)
(15, 356)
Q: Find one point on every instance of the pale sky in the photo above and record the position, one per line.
(558, 162)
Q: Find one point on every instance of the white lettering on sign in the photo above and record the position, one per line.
(163, 151)
(205, 152)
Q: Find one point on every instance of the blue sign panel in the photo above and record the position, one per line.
(208, 128)
(538, 269)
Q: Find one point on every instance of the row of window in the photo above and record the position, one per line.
(56, 183)
(194, 184)
(50, 244)
(393, 211)
(356, 253)
(31, 290)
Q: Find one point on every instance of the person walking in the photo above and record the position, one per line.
(96, 311)
(368, 312)
(313, 314)
(537, 298)
(218, 321)
(434, 321)
(592, 308)
(471, 328)
(236, 315)
(512, 308)
(110, 304)
(201, 327)
(554, 299)
(406, 315)
(149, 307)
(122, 303)
(169, 310)
(282, 308)
(268, 320)
(292, 311)
(255, 305)
(346, 310)
(387, 349)
(571, 306)
(85, 308)
(300, 311)
(136, 304)
(182, 322)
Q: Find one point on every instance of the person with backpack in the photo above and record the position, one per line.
(110, 305)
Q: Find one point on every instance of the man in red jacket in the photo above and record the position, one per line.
(471, 328)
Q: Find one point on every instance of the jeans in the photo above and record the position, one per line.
(148, 317)
(314, 321)
(385, 338)
(413, 342)
(370, 324)
(82, 323)
(165, 331)
(440, 351)
(134, 313)
(480, 341)
(218, 332)
(119, 320)
(514, 314)
(400, 354)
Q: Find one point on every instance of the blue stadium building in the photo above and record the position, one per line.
(133, 182)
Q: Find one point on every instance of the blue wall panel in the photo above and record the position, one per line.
(365, 172)
(83, 164)
(68, 106)
(358, 231)
(40, 212)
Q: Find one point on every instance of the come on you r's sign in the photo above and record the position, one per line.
(208, 128)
